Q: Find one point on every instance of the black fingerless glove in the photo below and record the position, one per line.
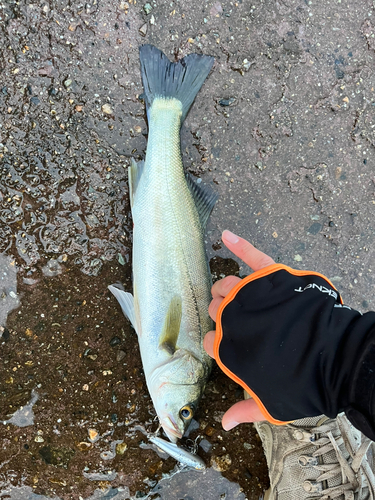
(286, 337)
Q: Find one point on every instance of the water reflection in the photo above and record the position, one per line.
(9, 299)
(24, 417)
(76, 209)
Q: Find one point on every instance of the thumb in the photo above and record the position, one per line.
(208, 343)
(241, 412)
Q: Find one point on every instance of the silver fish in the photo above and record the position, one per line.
(171, 278)
(179, 454)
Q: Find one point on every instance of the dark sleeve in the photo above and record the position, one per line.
(288, 339)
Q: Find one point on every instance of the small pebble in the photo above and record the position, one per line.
(120, 356)
(85, 387)
(227, 102)
(297, 258)
(121, 448)
(143, 29)
(68, 82)
(222, 463)
(39, 439)
(114, 341)
(209, 431)
(152, 19)
(248, 446)
(93, 435)
(106, 108)
(83, 446)
(147, 8)
(246, 64)
(205, 445)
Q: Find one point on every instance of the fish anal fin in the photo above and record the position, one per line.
(171, 326)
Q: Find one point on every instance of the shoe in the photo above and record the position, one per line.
(318, 459)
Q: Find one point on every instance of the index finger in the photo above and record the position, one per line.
(246, 251)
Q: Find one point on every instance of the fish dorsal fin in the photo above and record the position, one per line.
(171, 327)
(134, 174)
(127, 303)
(204, 198)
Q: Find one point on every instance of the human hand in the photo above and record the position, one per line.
(247, 410)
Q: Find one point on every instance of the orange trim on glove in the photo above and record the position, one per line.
(219, 331)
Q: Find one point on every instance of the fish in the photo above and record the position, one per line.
(180, 454)
(171, 276)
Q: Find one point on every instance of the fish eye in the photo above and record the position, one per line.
(186, 412)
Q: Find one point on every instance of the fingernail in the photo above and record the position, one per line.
(232, 238)
(232, 424)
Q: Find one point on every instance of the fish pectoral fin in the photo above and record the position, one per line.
(134, 174)
(126, 301)
(204, 198)
(171, 326)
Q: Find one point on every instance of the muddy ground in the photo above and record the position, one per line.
(283, 130)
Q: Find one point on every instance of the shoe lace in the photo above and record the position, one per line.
(352, 481)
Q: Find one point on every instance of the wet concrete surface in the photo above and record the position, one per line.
(283, 130)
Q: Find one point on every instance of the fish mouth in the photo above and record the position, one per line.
(171, 429)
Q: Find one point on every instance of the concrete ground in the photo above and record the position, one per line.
(282, 130)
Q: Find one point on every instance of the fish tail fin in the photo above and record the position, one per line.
(181, 80)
